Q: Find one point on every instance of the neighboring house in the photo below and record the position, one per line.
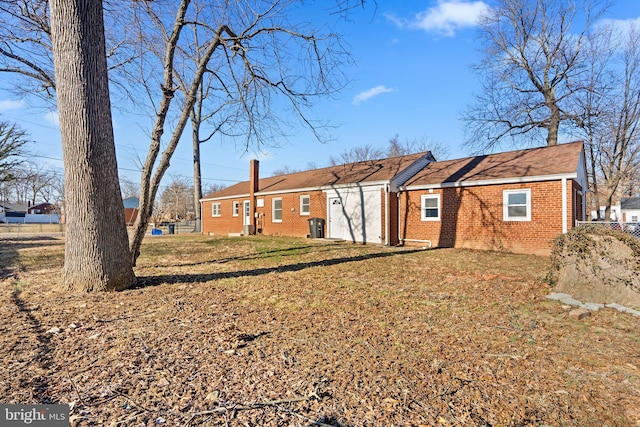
(130, 209)
(615, 214)
(630, 208)
(20, 208)
(517, 201)
(42, 209)
(355, 200)
(42, 213)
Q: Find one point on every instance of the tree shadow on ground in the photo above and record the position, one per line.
(146, 281)
(43, 357)
(9, 248)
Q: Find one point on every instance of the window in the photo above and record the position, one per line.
(634, 218)
(431, 207)
(516, 205)
(276, 213)
(215, 209)
(305, 205)
(236, 208)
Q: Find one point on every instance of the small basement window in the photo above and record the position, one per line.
(276, 210)
(215, 209)
(516, 205)
(430, 207)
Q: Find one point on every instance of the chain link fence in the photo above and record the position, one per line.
(17, 229)
(632, 228)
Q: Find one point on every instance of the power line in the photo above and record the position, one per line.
(126, 169)
(124, 147)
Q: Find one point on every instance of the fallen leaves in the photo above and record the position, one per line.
(251, 332)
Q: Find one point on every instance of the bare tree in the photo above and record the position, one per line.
(357, 154)
(53, 191)
(257, 57)
(611, 116)
(12, 142)
(129, 188)
(395, 148)
(26, 49)
(532, 66)
(399, 148)
(285, 170)
(36, 178)
(176, 199)
(249, 51)
(211, 188)
(96, 250)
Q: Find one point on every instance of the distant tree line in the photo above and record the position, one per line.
(395, 148)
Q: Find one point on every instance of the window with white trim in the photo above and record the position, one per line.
(634, 218)
(516, 205)
(276, 210)
(215, 209)
(236, 208)
(430, 207)
(305, 205)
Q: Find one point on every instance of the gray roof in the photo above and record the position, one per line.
(630, 203)
(14, 207)
(131, 202)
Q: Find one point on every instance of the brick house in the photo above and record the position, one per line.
(517, 201)
(131, 205)
(355, 200)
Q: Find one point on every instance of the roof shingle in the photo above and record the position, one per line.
(533, 162)
(360, 172)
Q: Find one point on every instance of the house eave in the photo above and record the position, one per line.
(235, 196)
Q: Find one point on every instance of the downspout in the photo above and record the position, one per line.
(387, 226)
(399, 215)
(201, 219)
(564, 206)
(401, 237)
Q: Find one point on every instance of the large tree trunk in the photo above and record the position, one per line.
(554, 125)
(96, 249)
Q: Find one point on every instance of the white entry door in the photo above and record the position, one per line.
(246, 209)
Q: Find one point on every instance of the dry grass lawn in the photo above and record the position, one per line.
(295, 332)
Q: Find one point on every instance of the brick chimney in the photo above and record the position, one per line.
(254, 176)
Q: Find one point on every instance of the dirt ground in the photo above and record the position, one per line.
(298, 332)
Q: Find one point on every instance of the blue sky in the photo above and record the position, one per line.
(411, 77)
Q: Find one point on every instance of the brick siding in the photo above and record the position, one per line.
(226, 223)
(472, 217)
(293, 224)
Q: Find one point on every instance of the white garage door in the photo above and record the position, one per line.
(355, 215)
